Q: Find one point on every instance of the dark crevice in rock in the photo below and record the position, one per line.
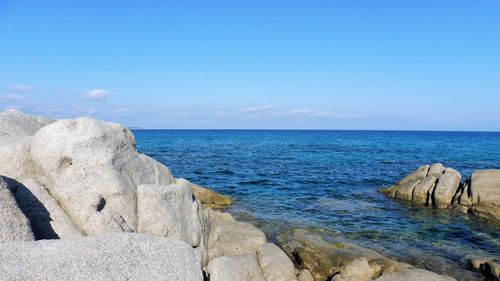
(101, 204)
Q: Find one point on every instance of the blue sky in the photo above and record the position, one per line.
(432, 65)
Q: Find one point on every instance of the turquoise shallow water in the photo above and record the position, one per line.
(331, 179)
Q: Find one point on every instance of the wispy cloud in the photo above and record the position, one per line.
(122, 110)
(258, 109)
(269, 110)
(21, 88)
(11, 97)
(97, 94)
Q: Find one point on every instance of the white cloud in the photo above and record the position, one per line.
(97, 94)
(11, 98)
(21, 88)
(122, 110)
(258, 109)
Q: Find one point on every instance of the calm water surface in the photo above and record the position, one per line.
(331, 179)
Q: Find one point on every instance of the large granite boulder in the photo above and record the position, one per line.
(233, 238)
(109, 257)
(17, 124)
(93, 169)
(325, 255)
(172, 211)
(357, 270)
(414, 275)
(14, 225)
(275, 264)
(485, 187)
(446, 187)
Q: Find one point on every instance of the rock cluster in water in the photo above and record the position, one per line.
(79, 202)
(437, 186)
(441, 187)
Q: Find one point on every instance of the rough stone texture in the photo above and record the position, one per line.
(48, 220)
(357, 270)
(232, 238)
(17, 124)
(414, 275)
(324, 257)
(110, 257)
(207, 197)
(421, 191)
(446, 188)
(305, 275)
(242, 267)
(215, 215)
(491, 269)
(442, 188)
(92, 169)
(170, 211)
(14, 226)
(275, 264)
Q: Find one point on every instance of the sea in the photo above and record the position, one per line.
(283, 179)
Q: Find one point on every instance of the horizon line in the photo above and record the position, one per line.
(296, 129)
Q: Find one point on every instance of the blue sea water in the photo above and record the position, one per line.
(331, 179)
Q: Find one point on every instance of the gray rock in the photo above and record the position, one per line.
(414, 275)
(305, 275)
(232, 238)
(172, 211)
(14, 225)
(436, 170)
(92, 169)
(17, 124)
(110, 257)
(275, 264)
(485, 187)
(446, 188)
(48, 220)
(208, 197)
(421, 191)
(417, 175)
(242, 267)
(215, 215)
(357, 270)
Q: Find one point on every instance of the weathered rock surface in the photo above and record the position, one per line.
(208, 197)
(14, 226)
(48, 220)
(305, 275)
(325, 257)
(357, 270)
(233, 238)
(442, 187)
(243, 267)
(108, 257)
(17, 124)
(490, 267)
(215, 215)
(414, 275)
(275, 264)
(92, 169)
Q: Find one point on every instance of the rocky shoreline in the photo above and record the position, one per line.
(79, 202)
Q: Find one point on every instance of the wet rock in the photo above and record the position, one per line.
(275, 264)
(309, 250)
(491, 269)
(109, 257)
(232, 238)
(14, 226)
(208, 197)
(414, 275)
(243, 267)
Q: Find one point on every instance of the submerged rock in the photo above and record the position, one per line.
(414, 275)
(108, 257)
(326, 258)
